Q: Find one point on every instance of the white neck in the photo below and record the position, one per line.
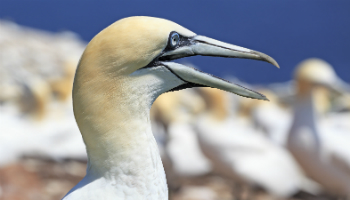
(304, 110)
(113, 117)
(304, 130)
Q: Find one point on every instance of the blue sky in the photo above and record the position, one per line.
(287, 30)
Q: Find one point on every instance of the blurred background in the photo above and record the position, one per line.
(214, 145)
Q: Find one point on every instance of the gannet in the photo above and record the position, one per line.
(322, 151)
(244, 154)
(122, 71)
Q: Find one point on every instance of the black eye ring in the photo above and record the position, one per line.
(174, 39)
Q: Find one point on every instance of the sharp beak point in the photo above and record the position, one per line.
(267, 58)
(337, 86)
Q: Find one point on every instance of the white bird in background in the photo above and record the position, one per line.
(240, 152)
(47, 130)
(177, 141)
(32, 122)
(321, 150)
(268, 117)
(122, 71)
(340, 117)
(176, 111)
(275, 118)
(53, 137)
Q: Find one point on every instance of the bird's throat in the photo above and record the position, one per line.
(114, 121)
(112, 112)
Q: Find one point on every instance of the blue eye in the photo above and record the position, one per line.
(174, 39)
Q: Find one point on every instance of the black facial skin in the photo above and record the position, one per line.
(183, 41)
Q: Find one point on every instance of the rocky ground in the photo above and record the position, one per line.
(37, 179)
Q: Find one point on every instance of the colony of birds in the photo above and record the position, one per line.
(297, 145)
(36, 73)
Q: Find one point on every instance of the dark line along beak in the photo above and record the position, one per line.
(201, 45)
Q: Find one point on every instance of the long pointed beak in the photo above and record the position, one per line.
(201, 45)
(336, 85)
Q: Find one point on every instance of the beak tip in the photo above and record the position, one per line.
(264, 98)
(274, 62)
(277, 65)
(268, 59)
(260, 97)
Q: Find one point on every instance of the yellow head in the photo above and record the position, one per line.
(141, 42)
(130, 44)
(316, 72)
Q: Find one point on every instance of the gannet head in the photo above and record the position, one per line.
(139, 45)
(127, 66)
(122, 71)
(316, 72)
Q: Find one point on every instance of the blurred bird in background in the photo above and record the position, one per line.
(244, 154)
(321, 149)
(177, 141)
